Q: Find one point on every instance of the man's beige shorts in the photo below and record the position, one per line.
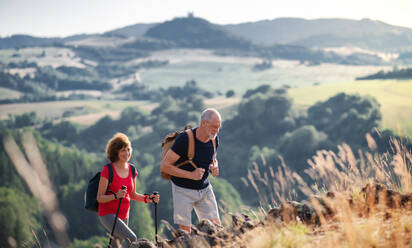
(185, 200)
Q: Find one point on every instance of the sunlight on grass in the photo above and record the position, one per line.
(368, 204)
(9, 94)
(394, 96)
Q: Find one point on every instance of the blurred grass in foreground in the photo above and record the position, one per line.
(359, 220)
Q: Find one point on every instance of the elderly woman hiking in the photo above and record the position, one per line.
(119, 151)
(191, 188)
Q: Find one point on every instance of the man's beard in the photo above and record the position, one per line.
(211, 136)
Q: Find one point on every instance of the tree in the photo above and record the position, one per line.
(19, 215)
(300, 144)
(230, 93)
(346, 118)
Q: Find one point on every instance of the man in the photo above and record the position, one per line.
(190, 187)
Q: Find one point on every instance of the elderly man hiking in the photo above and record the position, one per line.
(190, 184)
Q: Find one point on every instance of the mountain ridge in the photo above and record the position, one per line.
(311, 33)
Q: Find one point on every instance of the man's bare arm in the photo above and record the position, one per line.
(169, 168)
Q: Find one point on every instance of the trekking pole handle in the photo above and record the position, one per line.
(151, 198)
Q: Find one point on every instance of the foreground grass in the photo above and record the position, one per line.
(356, 232)
(359, 216)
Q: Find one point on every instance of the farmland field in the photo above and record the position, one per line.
(394, 96)
(222, 73)
(82, 112)
(8, 93)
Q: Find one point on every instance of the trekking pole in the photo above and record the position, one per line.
(155, 213)
(115, 220)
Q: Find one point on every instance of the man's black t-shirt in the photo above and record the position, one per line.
(202, 159)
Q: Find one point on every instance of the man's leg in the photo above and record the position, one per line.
(216, 221)
(206, 208)
(185, 228)
(183, 200)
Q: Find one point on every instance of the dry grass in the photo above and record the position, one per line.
(358, 219)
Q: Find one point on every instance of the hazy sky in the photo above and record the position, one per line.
(68, 17)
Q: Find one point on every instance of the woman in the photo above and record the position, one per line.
(119, 151)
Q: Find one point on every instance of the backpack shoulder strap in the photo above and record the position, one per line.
(133, 170)
(214, 149)
(191, 144)
(110, 168)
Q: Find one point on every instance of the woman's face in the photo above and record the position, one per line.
(124, 154)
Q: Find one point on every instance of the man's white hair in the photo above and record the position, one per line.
(208, 114)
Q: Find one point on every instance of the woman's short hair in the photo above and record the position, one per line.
(115, 144)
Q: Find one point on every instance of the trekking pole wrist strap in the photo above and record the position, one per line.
(145, 198)
(115, 195)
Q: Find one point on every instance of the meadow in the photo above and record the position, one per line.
(84, 113)
(222, 73)
(394, 96)
(9, 94)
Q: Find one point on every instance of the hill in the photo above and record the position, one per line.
(197, 33)
(319, 33)
(20, 40)
(16, 41)
(364, 33)
(135, 30)
(402, 74)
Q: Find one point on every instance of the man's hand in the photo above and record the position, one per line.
(214, 169)
(198, 174)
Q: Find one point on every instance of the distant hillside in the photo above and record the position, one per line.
(365, 33)
(20, 41)
(135, 30)
(396, 73)
(299, 41)
(17, 41)
(195, 32)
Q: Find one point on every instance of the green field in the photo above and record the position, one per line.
(222, 73)
(83, 112)
(43, 56)
(9, 94)
(394, 96)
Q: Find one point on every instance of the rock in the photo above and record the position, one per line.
(143, 243)
(239, 219)
(207, 226)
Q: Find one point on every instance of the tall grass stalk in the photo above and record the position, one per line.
(35, 174)
(357, 221)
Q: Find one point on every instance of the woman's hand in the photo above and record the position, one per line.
(153, 198)
(121, 193)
